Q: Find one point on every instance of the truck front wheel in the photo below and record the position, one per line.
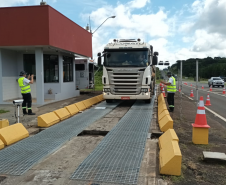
(108, 100)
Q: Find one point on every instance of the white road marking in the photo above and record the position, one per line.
(217, 115)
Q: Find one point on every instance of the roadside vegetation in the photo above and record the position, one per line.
(3, 111)
(98, 79)
(208, 67)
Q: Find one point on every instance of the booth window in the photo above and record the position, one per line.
(29, 64)
(51, 68)
(79, 67)
(68, 69)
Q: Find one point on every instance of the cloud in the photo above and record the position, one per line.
(5, 3)
(153, 24)
(138, 3)
(8, 3)
(212, 16)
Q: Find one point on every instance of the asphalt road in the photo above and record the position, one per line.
(217, 99)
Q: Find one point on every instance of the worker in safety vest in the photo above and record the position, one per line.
(171, 89)
(24, 84)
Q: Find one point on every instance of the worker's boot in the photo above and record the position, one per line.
(24, 111)
(30, 112)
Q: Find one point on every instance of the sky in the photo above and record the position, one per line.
(177, 29)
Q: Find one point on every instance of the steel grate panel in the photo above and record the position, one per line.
(118, 157)
(21, 156)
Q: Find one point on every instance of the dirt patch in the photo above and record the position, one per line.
(194, 169)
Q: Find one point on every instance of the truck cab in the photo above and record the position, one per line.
(128, 70)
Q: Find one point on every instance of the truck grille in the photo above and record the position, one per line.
(123, 83)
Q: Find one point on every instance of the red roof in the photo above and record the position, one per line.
(42, 25)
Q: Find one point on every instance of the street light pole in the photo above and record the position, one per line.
(103, 23)
(92, 49)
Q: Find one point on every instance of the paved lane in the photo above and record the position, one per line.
(217, 99)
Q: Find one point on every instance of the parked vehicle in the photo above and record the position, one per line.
(216, 81)
(84, 73)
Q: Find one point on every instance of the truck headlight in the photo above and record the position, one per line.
(144, 90)
(107, 90)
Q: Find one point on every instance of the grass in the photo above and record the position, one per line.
(3, 111)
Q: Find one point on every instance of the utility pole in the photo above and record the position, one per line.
(181, 91)
(197, 78)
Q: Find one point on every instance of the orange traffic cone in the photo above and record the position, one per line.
(191, 95)
(208, 101)
(163, 92)
(202, 87)
(200, 130)
(211, 88)
(200, 120)
(179, 89)
(224, 91)
(191, 85)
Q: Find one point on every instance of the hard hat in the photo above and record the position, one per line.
(169, 74)
(23, 73)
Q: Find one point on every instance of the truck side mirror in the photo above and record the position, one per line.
(156, 53)
(154, 60)
(99, 61)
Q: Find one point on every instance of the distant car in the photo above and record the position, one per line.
(216, 81)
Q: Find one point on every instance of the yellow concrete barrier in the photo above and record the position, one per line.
(13, 133)
(72, 109)
(99, 98)
(87, 103)
(161, 98)
(161, 108)
(48, 119)
(80, 105)
(94, 100)
(163, 114)
(170, 159)
(168, 136)
(4, 123)
(62, 113)
(166, 123)
(1, 144)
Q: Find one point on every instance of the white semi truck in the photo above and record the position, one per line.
(128, 70)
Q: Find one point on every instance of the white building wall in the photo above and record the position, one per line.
(9, 75)
(12, 64)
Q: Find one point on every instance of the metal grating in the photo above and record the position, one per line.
(21, 156)
(118, 157)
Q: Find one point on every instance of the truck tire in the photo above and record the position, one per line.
(108, 100)
(148, 101)
(212, 85)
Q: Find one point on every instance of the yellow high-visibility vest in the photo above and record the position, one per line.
(24, 88)
(172, 88)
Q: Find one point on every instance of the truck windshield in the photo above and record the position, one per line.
(126, 59)
(216, 78)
